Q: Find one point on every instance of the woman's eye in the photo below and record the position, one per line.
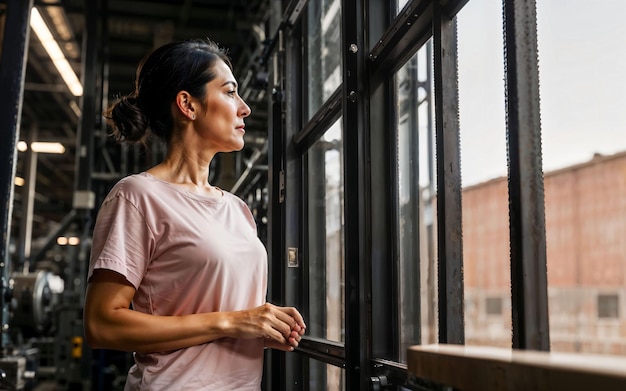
(231, 92)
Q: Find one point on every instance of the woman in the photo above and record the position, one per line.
(183, 252)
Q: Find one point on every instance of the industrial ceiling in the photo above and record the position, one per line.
(129, 30)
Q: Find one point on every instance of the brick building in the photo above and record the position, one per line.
(585, 210)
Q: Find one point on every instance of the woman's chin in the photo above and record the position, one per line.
(236, 147)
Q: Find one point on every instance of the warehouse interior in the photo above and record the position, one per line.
(67, 162)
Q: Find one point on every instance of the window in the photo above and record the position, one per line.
(493, 305)
(325, 377)
(324, 52)
(608, 306)
(485, 200)
(584, 184)
(416, 241)
(402, 245)
(325, 236)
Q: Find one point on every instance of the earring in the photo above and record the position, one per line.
(193, 117)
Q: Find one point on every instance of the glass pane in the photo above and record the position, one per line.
(323, 52)
(324, 377)
(486, 249)
(416, 204)
(584, 159)
(325, 226)
(401, 4)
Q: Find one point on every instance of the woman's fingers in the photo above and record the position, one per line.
(295, 335)
(299, 330)
(292, 343)
(293, 318)
(279, 326)
(294, 339)
(295, 315)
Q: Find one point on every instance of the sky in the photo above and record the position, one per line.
(582, 72)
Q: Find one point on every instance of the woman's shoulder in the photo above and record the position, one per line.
(133, 182)
(132, 187)
(233, 199)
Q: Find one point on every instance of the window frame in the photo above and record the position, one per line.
(371, 54)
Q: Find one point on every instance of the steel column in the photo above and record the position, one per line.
(274, 362)
(88, 103)
(529, 285)
(449, 219)
(12, 70)
(383, 127)
(356, 190)
(28, 201)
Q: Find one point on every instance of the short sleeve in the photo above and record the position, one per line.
(122, 241)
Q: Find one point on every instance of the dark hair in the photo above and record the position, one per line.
(176, 66)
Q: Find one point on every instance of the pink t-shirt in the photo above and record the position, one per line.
(185, 254)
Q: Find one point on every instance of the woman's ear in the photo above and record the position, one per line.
(185, 105)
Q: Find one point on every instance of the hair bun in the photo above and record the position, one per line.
(128, 122)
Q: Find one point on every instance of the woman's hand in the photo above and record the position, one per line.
(294, 340)
(280, 327)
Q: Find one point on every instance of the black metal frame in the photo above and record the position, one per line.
(315, 128)
(529, 285)
(276, 221)
(408, 31)
(357, 192)
(327, 351)
(383, 204)
(449, 221)
(370, 352)
(393, 373)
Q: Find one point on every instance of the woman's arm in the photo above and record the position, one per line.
(111, 324)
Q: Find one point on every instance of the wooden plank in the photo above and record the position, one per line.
(470, 368)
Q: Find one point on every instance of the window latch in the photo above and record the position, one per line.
(379, 383)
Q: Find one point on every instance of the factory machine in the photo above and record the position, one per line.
(42, 332)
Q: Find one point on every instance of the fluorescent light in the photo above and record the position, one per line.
(55, 53)
(44, 147)
(75, 108)
(41, 147)
(64, 241)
